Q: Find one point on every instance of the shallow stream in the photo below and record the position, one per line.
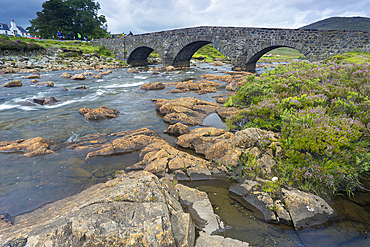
(28, 183)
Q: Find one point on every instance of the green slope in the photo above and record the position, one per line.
(341, 23)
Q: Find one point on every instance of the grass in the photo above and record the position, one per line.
(72, 45)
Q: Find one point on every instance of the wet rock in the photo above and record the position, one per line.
(188, 110)
(207, 90)
(15, 83)
(78, 77)
(201, 138)
(136, 208)
(81, 87)
(153, 86)
(66, 75)
(31, 147)
(234, 86)
(125, 142)
(307, 209)
(46, 84)
(35, 76)
(45, 101)
(106, 72)
(177, 129)
(34, 81)
(5, 220)
(206, 240)
(102, 112)
(198, 205)
(179, 91)
(226, 112)
(98, 76)
(222, 100)
(295, 207)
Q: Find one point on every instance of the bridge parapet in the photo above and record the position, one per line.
(242, 45)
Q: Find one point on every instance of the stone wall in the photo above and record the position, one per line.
(242, 45)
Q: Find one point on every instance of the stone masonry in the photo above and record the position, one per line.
(242, 45)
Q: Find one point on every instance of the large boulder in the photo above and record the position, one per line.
(66, 75)
(131, 210)
(14, 83)
(102, 112)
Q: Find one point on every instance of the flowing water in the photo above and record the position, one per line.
(27, 183)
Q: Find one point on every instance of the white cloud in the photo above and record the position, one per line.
(141, 16)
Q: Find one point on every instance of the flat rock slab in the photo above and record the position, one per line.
(198, 205)
(135, 209)
(31, 147)
(296, 208)
(102, 112)
(190, 111)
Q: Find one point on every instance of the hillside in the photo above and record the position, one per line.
(341, 23)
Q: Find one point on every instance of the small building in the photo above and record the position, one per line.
(13, 30)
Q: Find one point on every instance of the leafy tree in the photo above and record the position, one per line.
(69, 16)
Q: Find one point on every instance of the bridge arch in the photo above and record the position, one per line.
(252, 55)
(188, 46)
(139, 56)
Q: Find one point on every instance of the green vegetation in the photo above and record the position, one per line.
(209, 52)
(341, 23)
(283, 54)
(17, 44)
(323, 114)
(69, 16)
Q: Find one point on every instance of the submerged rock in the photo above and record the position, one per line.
(136, 209)
(102, 112)
(206, 240)
(35, 76)
(46, 84)
(45, 101)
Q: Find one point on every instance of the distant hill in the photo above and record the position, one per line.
(341, 23)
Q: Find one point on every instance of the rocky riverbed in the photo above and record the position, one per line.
(112, 130)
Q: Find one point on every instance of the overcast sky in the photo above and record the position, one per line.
(142, 16)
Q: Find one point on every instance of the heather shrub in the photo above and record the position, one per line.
(323, 114)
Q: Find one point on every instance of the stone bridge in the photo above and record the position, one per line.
(243, 46)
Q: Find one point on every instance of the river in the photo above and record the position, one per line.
(28, 183)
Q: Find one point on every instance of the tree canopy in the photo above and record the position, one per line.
(69, 16)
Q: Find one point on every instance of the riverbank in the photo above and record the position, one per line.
(73, 138)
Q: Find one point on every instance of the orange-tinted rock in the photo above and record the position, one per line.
(46, 84)
(31, 147)
(153, 86)
(15, 83)
(102, 112)
(66, 75)
(35, 76)
(177, 129)
(78, 77)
